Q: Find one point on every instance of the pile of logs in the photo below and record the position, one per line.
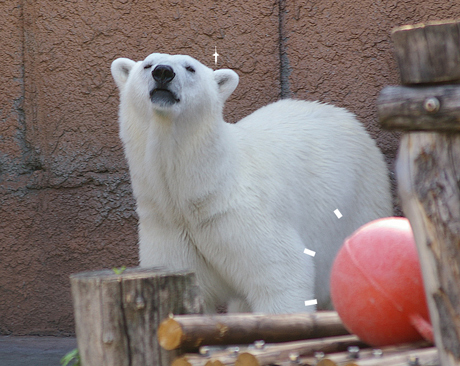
(287, 340)
(125, 319)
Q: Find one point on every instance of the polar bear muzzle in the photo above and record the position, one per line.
(163, 75)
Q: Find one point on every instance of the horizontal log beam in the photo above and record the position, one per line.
(435, 108)
(283, 351)
(420, 357)
(270, 353)
(191, 331)
(386, 356)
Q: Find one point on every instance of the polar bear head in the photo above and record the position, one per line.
(172, 86)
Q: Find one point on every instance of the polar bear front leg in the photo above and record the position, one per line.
(278, 277)
(286, 291)
(165, 247)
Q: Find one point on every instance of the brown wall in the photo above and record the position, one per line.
(66, 204)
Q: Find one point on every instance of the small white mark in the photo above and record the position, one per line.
(309, 252)
(311, 302)
(338, 214)
(215, 55)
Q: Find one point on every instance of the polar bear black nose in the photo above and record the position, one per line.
(163, 74)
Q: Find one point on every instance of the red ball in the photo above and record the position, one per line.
(377, 287)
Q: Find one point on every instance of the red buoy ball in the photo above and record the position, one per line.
(377, 287)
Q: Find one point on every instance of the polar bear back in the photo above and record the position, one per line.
(324, 159)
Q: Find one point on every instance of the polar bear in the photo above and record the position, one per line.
(239, 203)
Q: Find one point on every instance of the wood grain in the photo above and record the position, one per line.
(117, 315)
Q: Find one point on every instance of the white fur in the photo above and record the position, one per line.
(239, 203)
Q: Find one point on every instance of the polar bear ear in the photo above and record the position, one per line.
(227, 81)
(121, 68)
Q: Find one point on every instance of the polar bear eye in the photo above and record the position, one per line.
(190, 69)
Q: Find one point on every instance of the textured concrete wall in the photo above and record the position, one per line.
(340, 52)
(66, 204)
(65, 199)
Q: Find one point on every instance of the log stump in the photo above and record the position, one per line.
(117, 315)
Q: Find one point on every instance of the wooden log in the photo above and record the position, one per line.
(428, 53)
(428, 171)
(117, 315)
(378, 356)
(420, 108)
(191, 331)
(218, 358)
(419, 357)
(282, 352)
(270, 353)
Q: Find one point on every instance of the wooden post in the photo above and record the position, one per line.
(117, 315)
(428, 165)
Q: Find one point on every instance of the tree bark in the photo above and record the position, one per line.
(428, 166)
(428, 171)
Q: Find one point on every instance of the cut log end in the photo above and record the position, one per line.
(328, 362)
(214, 363)
(181, 361)
(170, 334)
(246, 359)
